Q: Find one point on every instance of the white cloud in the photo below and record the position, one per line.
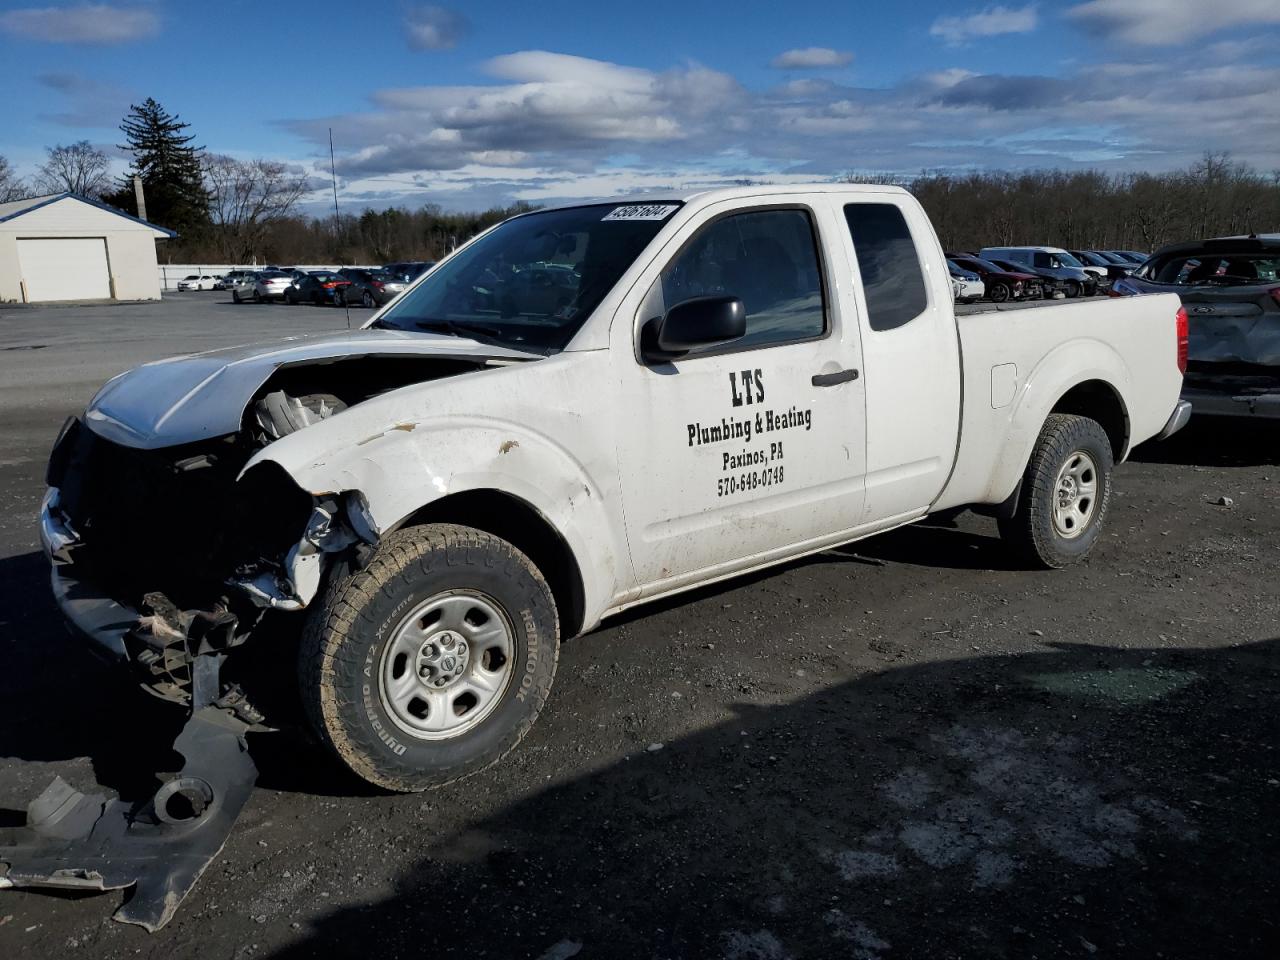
(811, 58)
(1169, 22)
(551, 126)
(990, 22)
(97, 23)
(434, 28)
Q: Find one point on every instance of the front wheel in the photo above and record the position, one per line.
(1066, 490)
(235, 296)
(432, 662)
(367, 299)
(999, 293)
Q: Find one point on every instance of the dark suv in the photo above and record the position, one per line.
(370, 287)
(1230, 288)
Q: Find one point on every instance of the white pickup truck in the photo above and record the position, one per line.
(581, 410)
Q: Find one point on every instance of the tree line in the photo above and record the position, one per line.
(1092, 210)
(228, 210)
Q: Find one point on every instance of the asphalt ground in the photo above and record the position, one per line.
(904, 748)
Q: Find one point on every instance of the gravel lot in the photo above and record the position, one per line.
(905, 748)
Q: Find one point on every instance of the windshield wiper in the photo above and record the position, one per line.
(457, 328)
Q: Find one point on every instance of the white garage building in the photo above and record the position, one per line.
(68, 247)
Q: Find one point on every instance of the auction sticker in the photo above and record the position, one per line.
(642, 211)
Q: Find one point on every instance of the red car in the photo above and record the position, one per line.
(1001, 284)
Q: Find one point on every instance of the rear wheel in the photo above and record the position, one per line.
(1065, 492)
(433, 661)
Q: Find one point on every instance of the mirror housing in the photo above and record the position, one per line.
(692, 324)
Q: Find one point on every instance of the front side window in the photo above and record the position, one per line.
(766, 258)
(891, 276)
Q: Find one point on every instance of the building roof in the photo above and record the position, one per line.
(17, 208)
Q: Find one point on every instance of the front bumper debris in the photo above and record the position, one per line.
(77, 841)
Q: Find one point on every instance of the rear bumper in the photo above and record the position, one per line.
(1177, 420)
(1225, 404)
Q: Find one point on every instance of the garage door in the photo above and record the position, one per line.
(64, 268)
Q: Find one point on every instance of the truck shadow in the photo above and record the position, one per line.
(1216, 442)
(1054, 803)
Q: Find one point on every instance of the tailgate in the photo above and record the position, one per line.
(1233, 326)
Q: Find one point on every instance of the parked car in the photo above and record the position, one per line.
(201, 281)
(969, 286)
(1051, 287)
(1051, 262)
(1115, 259)
(318, 286)
(242, 286)
(270, 285)
(1002, 284)
(229, 279)
(1132, 256)
(369, 288)
(409, 270)
(1095, 262)
(1230, 288)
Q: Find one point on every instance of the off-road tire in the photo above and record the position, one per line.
(1031, 532)
(342, 645)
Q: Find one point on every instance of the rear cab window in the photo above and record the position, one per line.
(892, 278)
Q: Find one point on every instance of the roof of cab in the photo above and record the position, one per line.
(713, 194)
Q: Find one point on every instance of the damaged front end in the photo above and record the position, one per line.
(172, 561)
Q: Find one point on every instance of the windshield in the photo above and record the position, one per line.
(982, 265)
(531, 282)
(1067, 260)
(1215, 269)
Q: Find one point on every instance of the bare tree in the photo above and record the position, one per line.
(79, 167)
(12, 186)
(245, 198)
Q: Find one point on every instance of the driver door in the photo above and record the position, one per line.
(738, 453)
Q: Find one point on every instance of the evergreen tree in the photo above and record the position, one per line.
(169, 167)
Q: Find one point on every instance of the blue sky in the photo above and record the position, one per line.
(485, 103)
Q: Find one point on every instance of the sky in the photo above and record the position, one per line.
(485, 103)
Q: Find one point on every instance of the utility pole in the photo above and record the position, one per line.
(139, 198)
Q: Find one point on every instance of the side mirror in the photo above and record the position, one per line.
(694, 323)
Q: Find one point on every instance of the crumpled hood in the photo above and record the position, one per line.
(203, 395)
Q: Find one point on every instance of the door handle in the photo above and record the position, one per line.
(831, 379)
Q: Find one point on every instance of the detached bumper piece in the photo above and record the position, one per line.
(80, 841)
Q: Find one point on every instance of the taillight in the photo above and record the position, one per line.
(1181, 321)
(376, 283)
(1275, 294)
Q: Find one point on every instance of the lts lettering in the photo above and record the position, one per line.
(751, 384)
